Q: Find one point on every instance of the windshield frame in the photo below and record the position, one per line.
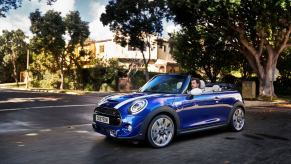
(181, 90)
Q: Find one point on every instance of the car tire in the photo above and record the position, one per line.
(161, 131)
(237, 119)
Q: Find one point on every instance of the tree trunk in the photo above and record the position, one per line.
(263, 70)
(62, 79)
(146, 63)
(266, 87)
(62, 74)
(265, 73)
(15, 72)
(14, 68)
(146, 73)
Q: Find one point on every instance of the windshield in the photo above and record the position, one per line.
(172, 84)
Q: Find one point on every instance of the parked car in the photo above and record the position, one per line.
(163, 108)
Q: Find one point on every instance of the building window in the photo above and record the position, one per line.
(101, 48)
(165, 48)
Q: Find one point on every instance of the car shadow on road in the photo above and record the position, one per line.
(199, 135)
(110, 142)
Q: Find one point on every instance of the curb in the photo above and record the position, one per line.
(264, 103)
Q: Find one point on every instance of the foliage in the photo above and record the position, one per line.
(78, 32)
(202, 49)
(89, 87)
(49, 30)
(105, 71)
(106, 88)
(284, 64)
(259, 29)
(136, 23)
(111, 72)
(13, 51)
(6, 5)
(49, 81)
(48, 37)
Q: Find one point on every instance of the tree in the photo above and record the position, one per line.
(48, 31)
(6, 5)
(200, 49)
(284, 66)
(13, 49)
(136, 23)
(259, 29)
(78, 32)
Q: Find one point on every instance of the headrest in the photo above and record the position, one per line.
(179, 84)
(202, 84)
(216, 88)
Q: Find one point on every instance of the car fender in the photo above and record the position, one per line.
(236, 104)
(160, 110)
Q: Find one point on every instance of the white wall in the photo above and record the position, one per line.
(113, 50)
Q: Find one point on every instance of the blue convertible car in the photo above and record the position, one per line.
(164, 107)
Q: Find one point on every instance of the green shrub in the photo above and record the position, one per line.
(106, 88)
(50, 80)
(89, 87)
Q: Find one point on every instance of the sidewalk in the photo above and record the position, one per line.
(254, 103)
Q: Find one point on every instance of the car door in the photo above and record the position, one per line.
(200, 110)
(226, 100)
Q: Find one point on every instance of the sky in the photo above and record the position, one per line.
(90, 11)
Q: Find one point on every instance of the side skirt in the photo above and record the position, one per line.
(191, 130)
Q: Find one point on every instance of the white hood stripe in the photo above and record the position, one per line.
(132, 99)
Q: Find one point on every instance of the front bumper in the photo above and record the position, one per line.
(129, 128)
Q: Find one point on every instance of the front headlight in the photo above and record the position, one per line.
(138, 105)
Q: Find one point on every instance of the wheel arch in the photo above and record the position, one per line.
(235, 105)
(166, 110)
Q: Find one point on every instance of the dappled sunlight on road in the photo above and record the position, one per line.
(31, 134)
(15, 126)
(30, 99)
(20, 144)
(45, 130)
(81, 131)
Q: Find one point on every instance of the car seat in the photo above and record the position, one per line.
(216, 88)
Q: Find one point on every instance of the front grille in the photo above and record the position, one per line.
(113, 114)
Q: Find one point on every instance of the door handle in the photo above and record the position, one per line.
(216, 98)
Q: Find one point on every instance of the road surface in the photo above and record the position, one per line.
(56, 128)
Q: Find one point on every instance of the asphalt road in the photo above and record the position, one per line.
(56, 128)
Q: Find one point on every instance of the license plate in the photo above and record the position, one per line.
(102, 119)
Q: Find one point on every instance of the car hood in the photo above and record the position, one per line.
(119, 100)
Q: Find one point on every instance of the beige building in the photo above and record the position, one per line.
(160, 57)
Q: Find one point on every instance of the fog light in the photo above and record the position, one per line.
(129, 127)
(113, 133)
